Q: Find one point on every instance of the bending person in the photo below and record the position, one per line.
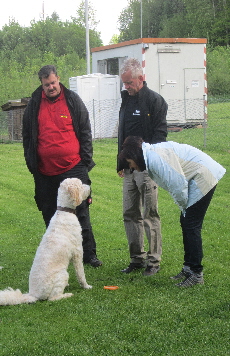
(190, 176)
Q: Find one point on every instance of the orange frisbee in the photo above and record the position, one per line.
(111, 287)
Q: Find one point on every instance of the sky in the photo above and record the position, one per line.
(24, 11)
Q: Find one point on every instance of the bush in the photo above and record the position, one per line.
(218, 71)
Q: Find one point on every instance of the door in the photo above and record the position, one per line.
(171, 84)
(193, 94)
(182, 88)
(102, 66)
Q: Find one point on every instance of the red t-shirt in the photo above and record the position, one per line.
(58, 147)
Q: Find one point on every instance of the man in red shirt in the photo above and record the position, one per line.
(57, 145)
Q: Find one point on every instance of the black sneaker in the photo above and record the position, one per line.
(95, 262)
(191, 280)
(151, 270)
(185, 272)
(132, 267)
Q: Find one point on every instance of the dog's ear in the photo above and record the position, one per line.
(74, 191)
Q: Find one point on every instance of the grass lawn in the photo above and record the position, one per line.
(146, 315)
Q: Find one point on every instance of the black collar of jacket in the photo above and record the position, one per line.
(124, 93)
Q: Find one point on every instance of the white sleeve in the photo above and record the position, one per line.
(166, 171)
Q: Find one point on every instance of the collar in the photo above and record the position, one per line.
(68, 210)
(125, 94)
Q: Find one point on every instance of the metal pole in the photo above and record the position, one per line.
(204, 124)
(141, 18)
(87, 37)
(94, 120)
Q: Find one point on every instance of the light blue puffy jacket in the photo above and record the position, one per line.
(185, 172)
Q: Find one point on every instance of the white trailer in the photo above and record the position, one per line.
(173, 67)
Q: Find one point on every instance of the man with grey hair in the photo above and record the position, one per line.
(142, 113)
(57, 145)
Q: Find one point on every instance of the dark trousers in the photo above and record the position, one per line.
(191, 225)
(46, 189)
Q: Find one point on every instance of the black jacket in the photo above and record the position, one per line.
(153, 111)
(81, 124)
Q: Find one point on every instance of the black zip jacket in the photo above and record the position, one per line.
(81, 124)
(153, 111)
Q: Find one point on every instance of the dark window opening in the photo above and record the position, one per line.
(113, 66)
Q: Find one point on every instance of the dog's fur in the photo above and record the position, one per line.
(61, 243)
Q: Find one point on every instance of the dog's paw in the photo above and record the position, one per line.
(60, 296)
(88, 286)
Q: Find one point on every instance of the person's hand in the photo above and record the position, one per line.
(121, 173)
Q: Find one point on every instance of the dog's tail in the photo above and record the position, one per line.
(10, 296)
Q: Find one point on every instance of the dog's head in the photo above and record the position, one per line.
(72, 192)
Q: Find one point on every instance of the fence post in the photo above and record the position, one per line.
(12, 131)
(94, 121)
(205, 117)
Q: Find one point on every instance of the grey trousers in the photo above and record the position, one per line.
(140, 213)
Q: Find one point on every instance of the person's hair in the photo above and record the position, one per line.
(45, 71)
(132, 149)
(133, 65)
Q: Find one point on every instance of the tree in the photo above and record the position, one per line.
(11, 35)
(221, 27)
(23, 50)
(80, 19)
(177, 18)
(218, 69)
(114, 39)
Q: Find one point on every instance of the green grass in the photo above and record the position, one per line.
(146, 315)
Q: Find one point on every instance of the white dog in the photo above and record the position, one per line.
(61, 243)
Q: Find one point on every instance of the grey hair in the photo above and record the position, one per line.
(133, 65)
(45, 71)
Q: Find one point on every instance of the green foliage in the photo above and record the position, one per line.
(20, 81)
(185, 18)
(114, 39)
(50, 35)
(146, 315)
(218, 69)
(80, 19)
(214, 137)
(125, 20)
(177, 18)
(221, 25)
(24, 50)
